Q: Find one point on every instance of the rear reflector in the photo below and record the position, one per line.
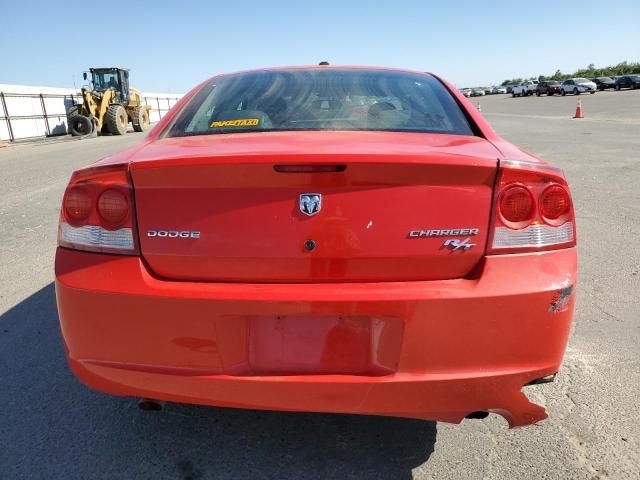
(532, 210)
(97, 212)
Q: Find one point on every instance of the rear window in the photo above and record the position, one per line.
(322, 99)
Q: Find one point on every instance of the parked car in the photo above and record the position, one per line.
(466, 92)
(602, 83)
(487, 90)
(477, 92)
(548, 87)
(524, 89)
(577, 86)
(510, 86)
(499, 90)
(628, 81)
(256, 250)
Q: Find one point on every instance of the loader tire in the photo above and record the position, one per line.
(140, 120)
(116, 120)
(80, 126)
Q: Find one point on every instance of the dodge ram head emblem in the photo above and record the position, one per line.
(310, 203)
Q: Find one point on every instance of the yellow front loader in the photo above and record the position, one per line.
(108, 105)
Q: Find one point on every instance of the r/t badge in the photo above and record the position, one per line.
(454, 244)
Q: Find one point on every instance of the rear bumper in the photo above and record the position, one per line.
(434, 350)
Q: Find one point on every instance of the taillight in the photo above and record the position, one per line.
(554, 202)
(77, 205)
(113, 207)
(532, 209)
(516, 204)
(98, 212)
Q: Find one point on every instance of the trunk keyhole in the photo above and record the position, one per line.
(310, 245)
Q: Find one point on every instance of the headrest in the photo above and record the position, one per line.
(384, 115)
(326, 105)
(379, 107)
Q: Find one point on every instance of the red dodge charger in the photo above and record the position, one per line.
(325, 239)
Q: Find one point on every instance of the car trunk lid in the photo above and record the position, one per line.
(229, 207)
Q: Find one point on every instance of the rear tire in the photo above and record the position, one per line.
(140, 120)
(80, 126)
(116, 120)
(562, 92)
(617, 88)
(576, 91)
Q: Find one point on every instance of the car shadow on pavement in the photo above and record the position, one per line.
(51, 426)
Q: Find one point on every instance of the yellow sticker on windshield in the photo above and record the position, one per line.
(240, 122)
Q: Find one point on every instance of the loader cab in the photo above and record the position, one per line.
(116, 78)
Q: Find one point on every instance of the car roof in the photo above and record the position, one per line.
(324, 67)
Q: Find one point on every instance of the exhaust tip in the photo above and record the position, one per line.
(150, 405)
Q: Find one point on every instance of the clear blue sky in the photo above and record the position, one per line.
(171, 46)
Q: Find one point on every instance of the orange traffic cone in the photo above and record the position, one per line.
(479, 109)
(578, 110)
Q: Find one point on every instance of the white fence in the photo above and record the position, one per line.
(29, 112)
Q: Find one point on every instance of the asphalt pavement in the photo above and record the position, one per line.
(53, 427)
